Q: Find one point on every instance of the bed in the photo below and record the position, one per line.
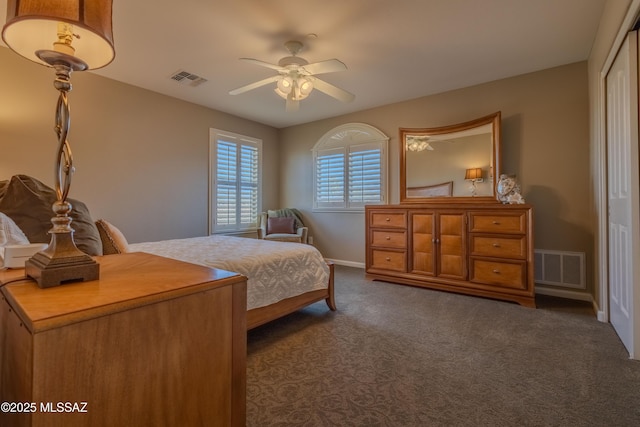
(439, 190)
(281, 277)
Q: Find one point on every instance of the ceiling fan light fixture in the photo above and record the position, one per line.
(305, 85)
(280, 93)
(285, 85)
(297, 94)
(294, 89)
(418, 143)
(291, 95)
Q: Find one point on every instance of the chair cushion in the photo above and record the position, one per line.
(281, 225)
(284, 237)
(287, 212)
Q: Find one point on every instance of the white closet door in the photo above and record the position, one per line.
(623, 192)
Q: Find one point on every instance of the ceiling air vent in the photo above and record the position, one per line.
(188, 79)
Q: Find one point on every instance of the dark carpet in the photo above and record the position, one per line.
(397, 355)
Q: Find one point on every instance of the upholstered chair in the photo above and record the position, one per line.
(282, 229)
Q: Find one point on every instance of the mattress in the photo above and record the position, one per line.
(274, 270)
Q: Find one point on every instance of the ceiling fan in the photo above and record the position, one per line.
(296, 77)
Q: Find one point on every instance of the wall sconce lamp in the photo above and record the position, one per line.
(474, 175)
(73, 35)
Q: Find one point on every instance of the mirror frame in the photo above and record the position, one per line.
(493, 119)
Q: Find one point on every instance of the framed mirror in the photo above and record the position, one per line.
(456, 163)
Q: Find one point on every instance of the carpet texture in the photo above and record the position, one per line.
(397, 355)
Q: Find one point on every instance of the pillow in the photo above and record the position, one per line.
(287, 212)
(281, 225)
(28, 202)
(113, 241)
(3, 187)
(10, 233)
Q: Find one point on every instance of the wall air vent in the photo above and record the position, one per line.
(560, 268)
(187, 78)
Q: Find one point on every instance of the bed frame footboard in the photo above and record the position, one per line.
(260, 316)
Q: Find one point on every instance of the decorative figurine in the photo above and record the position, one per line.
(508, 190)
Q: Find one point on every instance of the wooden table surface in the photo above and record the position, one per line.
(116, 290)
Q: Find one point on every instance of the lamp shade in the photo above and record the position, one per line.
(33, 25)
(473, 173)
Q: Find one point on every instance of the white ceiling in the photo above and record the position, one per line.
(394, 50)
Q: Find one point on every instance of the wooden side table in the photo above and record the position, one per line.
(154, 341)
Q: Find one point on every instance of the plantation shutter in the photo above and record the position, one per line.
(365, 174)
(235, 170)
(330, 178)
(248, 185)
(350, 168)
(226, 188)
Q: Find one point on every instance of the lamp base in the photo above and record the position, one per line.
(62, 262)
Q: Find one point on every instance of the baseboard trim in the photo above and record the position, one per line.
(347, 263)
(560, 293)
(601, 314)
(563, 293)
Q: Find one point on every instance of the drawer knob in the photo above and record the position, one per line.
(496, 245)
(496, 222)
(388, 219)
(388, 237)
(388, 259)
(496, 271)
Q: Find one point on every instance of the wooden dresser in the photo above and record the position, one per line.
(154, 341)
(484, 250)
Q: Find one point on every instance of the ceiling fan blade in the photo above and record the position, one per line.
(264, 64)
(292, 104)
(322, 67)
(254, 85)
(333, 91)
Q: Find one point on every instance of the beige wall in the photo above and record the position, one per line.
(142, 161)
(141, 158)
(545, 139)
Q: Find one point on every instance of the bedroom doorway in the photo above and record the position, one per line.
(623, 193)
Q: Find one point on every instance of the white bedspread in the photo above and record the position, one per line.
(275, 270)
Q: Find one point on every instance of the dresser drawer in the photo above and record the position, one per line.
(508, 222)
(501, 247)
(388, 260)
(389, 239)
(388, 219)
(506, 274)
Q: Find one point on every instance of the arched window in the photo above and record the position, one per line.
(350, 168)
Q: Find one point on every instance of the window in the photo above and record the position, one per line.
(235, 175)
(350, 168)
